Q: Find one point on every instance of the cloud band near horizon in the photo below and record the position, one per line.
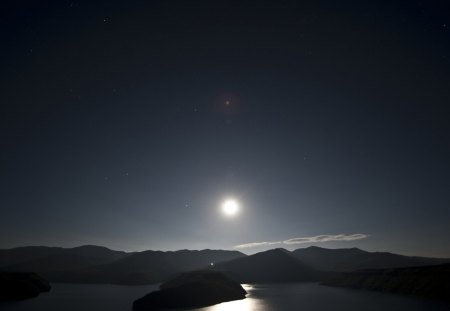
(304, 240)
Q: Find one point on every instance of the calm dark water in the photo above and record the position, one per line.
(280, 297)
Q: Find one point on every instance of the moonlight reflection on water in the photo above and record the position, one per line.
(248, 304)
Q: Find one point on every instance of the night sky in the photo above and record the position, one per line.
(127, 123)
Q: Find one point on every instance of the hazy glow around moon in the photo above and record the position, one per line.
(230, 207)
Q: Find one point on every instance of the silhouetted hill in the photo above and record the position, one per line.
(425, 281)
(98, 252)
(354, 259)
(52, 261)
(96, 264)
(276, 265)
(148, 266)
(20, 255)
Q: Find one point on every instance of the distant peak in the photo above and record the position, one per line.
(356, 249)
(323, 249)
(312, 248)
(95, 249)
(89, 246)
(276, 251)
(280, 249)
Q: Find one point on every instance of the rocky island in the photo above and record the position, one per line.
(192, 290)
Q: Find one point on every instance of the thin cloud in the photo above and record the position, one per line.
(304, 240)
(327, 238)
(256, 244)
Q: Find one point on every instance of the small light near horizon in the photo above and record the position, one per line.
(230, 207)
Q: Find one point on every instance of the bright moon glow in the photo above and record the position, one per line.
(230, 207)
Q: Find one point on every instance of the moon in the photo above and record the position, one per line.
(230, 207)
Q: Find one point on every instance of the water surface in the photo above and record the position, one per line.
(270, 297)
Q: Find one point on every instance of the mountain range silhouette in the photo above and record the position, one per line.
(97, 264)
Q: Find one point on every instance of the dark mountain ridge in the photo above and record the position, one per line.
(149, 266)
(96, 264)
(276, 265)
(350, 259)
(23, 254)
(52, 261)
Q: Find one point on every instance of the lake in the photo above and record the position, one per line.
(269, 297)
